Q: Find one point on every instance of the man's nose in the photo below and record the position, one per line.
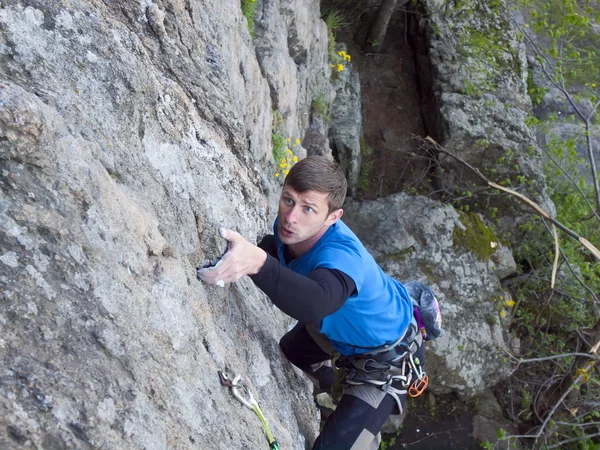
(291, 216)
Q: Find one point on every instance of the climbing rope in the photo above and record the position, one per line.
(237, 385)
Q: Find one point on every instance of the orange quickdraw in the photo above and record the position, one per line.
(419, 386)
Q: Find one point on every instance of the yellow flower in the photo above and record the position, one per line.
(593, 84)
(288, 151)
(295, 158)
(341, 53)
(503, 313)
(586, 84)
(289, 139)
(285, 172)
(347, 57)
(282, 165)
(333, 65)
(583, 374)
(276, 175)
(340, 67)
(509, 303)
(297, 141)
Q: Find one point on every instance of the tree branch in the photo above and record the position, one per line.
(583, 241)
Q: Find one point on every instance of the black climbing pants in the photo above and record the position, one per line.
(362, 411)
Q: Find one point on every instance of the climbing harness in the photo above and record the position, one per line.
(239, 388)
(394, 364)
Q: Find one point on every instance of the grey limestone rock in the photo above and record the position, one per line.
(129, 132)
(480, 80)
(346, 122)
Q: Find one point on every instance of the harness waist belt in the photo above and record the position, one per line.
(403, 345)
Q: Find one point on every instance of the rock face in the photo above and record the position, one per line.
(346, 127)
(415, 238)
(129, 131)
(480, 82)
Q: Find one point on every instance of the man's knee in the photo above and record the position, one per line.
(301, 349)
(286, 343)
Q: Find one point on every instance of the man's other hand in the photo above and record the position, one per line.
(242, 258)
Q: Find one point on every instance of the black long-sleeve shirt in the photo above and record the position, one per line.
(307, 299)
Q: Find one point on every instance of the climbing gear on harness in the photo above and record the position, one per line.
(404, 370)
(237, 385)
(418, 387)
(392, 364)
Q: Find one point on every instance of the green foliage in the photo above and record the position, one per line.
(279, 145)
(573, 43)
(477, 237)
(501, 434)
(249, 11)
(469, 88)
(388, 444)
(547, 324)
(321, 106)
(278, 137)
(535, 92)
(571, 206)
(334, 21)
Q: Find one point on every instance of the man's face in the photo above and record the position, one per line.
(303, 217)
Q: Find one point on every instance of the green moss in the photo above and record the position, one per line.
(249, 11)
(477, 238)
(483, 44)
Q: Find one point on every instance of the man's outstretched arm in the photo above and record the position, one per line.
(308, 299)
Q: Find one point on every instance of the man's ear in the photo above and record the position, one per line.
(334, 216)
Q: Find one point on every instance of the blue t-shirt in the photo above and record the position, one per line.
(380, 310)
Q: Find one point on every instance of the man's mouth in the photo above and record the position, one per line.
(286, 232)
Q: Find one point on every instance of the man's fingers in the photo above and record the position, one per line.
(233, 265)
(230, 235)
(219, 278)
(228, 271)
(215, 273)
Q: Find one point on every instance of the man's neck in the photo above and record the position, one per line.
(301, 248)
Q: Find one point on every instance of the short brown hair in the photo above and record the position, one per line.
(317, 173)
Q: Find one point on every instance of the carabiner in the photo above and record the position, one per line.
(419, 386)
(225, 380)
(239, 383)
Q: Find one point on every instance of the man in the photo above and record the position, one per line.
(317, 271)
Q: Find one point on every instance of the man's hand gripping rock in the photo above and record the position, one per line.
(242, 258)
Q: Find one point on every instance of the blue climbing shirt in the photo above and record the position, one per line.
(380, 310)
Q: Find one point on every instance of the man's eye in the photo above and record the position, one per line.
(289, 201)
(309, 209)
